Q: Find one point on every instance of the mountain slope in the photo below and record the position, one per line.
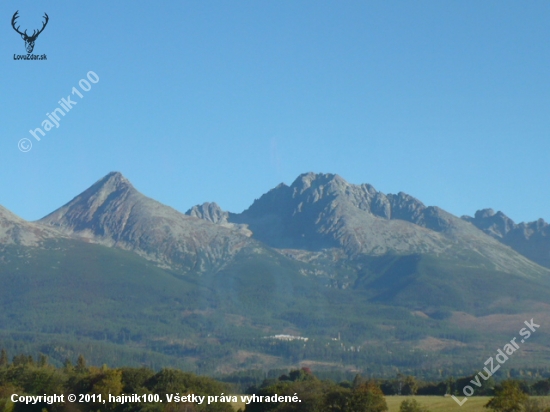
(14, 230)
(69, 297)
(530, 239)
(211, 212)
(113, 213)
(320, 211)
(113, 270)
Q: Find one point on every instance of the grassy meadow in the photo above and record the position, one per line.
(433, 403)
(441, 403)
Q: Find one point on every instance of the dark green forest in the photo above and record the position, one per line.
(117, 308)
(28, 376)
(92, 385)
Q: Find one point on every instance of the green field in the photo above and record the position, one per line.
(441, 403)
(433, 403)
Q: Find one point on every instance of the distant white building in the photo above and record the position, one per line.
(288, 337)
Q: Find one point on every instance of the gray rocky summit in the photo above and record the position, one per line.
(319, 212)
(210, 212)
(319, 215)
(530, 239)
(314, 258)
(17, 231)
(113, 213)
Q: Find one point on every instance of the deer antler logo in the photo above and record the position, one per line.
(29, 40)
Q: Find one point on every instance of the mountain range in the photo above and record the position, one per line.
(115, 272)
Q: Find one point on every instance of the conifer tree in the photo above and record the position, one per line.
(3, 358)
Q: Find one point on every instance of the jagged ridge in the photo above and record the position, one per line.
(530, 239)
(113, 213)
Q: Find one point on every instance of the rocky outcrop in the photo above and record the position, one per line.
(210, 212)
(16, 231)
(113, 213)
(530, 239)
(323, 211)
(317, 213)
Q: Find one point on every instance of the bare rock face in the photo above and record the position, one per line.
(113, 213)
(381, 206)
(317, 215)
(16, 231)
(323, 211)
(495, 224)
(530, 239)
(210, 212)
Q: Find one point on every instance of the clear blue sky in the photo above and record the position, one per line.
(222, 100)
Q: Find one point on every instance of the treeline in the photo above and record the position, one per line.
(204, 355)
(534, 381)
(319, 396)
(367, 396)
(27, 376)
(178, 353)
(410, 385)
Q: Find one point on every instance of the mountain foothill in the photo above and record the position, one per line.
(321, 273)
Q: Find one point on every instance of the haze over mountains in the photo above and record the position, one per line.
(317, 212)
(315, 258)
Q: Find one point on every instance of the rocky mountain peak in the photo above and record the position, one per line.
(107, 197)
(6, 215)
(539, 224)
(320, 183)
(530, 239)
(312, 178)
(210, 212)
(114, 182)
(113, 213)
(494, 224)
(406, 207)
(322, 210)
(14, 230)
(484, 213)
(114, 177)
